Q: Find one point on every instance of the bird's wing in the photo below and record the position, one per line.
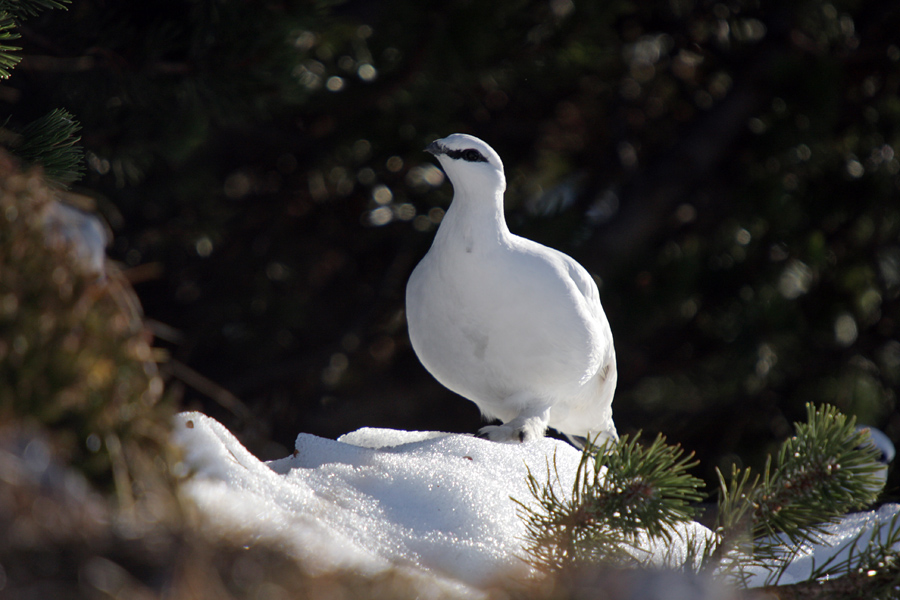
(582, 280)
(583, 289)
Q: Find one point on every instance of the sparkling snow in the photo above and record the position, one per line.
(435, 505)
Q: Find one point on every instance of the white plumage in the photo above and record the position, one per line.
(514, 326)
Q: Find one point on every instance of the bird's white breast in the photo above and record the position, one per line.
(492, 323)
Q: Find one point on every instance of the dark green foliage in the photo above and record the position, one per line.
(694, 156)
(823, 472)
(652, 489)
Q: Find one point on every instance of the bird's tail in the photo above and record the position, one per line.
(579, 441)
(604, 439)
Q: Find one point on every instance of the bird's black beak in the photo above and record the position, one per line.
(435, 148)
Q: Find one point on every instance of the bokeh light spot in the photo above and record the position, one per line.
(845, 330)
(795, 279)
(334, 83)
(203, 247)
(367, 72)
(394, 164)
(381, 216)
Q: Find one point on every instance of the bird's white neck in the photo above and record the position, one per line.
(475, 221)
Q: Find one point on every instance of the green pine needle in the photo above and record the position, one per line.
(8, 60)
(12, 11)
(21, 9)
(52, 142)
(620, 493)
(624, 494)
(648, 486)
(825, 471)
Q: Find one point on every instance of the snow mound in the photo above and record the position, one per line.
(377, 498)
(436, 506)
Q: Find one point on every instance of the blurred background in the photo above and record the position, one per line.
(727, 171)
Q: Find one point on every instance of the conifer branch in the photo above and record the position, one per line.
(628, 493)
(826, 470)
(8, 60)
(53, 142)
(650, 487)
(823, 472)
(20, 9)
(11, 12)
(620, 494)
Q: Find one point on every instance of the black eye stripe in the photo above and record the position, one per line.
(468, 155)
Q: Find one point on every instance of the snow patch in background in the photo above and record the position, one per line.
(852, 535)
(83, 232)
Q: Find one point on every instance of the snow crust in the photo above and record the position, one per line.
(437, 506)
(378, 498)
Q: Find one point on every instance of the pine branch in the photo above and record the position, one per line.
(11, 12)
(562, 533)
(826, 470)
(626, 496)
(20, 9)
(650, 487)
(52, 142)
(620, 494)
(823, 472)
(8, 60)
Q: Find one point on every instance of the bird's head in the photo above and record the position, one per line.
(469, 163)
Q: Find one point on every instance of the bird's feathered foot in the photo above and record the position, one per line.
(524, 428)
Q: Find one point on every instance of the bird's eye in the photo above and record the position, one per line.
(472, 155)
(468, 155)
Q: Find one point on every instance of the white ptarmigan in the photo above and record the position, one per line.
(514, 326)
